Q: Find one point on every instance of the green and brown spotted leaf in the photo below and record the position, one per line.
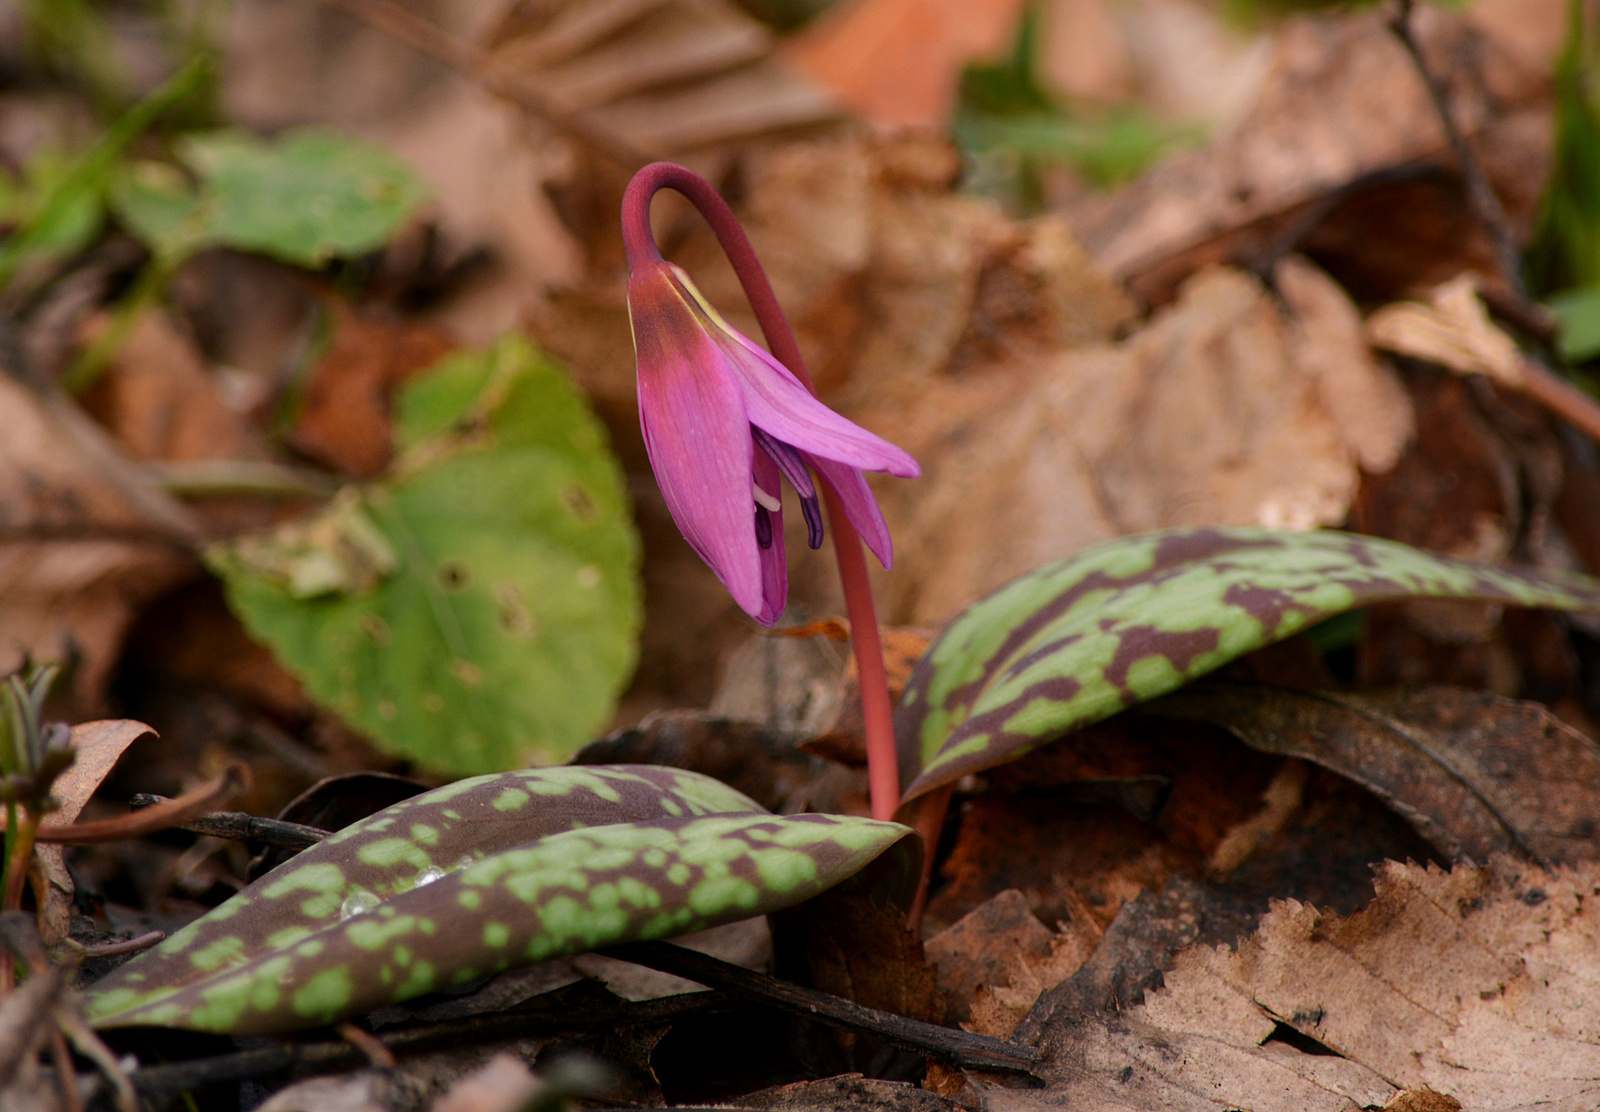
(563, 894)
(413, 843)
(1083, 638)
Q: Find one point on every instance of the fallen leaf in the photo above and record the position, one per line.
(89, 541)
(503, 1084)
(1222, 409)
(1476, 774)
(1453, 330)
(898, 62)
(651, 78)
(344, 418)
(160, 403)
(997, 960)
(1341, 100)
(96, 746)
(1363, 397)
(1461, 988)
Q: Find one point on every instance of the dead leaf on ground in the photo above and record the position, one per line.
(502, 1084)
(1341, 101)
(899, 62)
(89, 541)
(1476, 774)
(160, 403)
(344, 419)
(997, 960)
(1224, 408)
(653, 78)
(97, 746)
(1478, 983)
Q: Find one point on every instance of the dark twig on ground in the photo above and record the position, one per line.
(579, 1007)
(240, 827)
(1480, 194)
(948, 1044)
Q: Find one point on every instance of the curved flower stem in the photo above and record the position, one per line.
(883, 772)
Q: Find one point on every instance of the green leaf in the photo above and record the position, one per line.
(415, 842)
(1578, 312)
(478, 608)
(70, 214)
(563, 894)
(1080, 639)
(305, 197)
(156, 203)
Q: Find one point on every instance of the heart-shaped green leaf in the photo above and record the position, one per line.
(1080, 639)
(563, 894)
(413, 843)
(477, 609)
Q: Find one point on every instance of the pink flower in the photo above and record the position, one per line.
(722, 421)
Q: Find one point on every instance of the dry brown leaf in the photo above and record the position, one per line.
(1220, 411)
(1474, 773)
(1478, 984)
(997, 960)
(89, 540)
(503, 1084)
(344, 418)
(1341, 100)
(160, 403)
(654, 78)
(898, 62)
(1453, 330)
(97, 747)
(1363, 397)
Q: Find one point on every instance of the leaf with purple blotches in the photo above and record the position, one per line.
(305, 945)
(1083, 638)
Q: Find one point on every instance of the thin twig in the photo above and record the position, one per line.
(957, 1047)
(66, 1075)
(1480, 194)
(126, 946)
(92, 1047)
(237, 826)
(378, 1056)
(163, 816)
(563, 1012)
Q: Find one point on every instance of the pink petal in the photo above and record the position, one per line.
(860, 506)
(778, 403)
(698, 437)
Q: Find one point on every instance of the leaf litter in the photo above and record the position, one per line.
(1080, 893)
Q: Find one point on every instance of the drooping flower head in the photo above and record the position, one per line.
(723, 420)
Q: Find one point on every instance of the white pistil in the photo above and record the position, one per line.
(767, 501)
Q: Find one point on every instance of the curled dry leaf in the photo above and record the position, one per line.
(96, 747)
(1474, 773)
(1453, 330)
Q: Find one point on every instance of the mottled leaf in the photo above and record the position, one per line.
(1080, 639)
(416, 841)
(1474, 773)
(305, 196)
(564, 894)
(477, 608)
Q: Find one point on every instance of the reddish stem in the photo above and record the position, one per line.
(883, 770)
